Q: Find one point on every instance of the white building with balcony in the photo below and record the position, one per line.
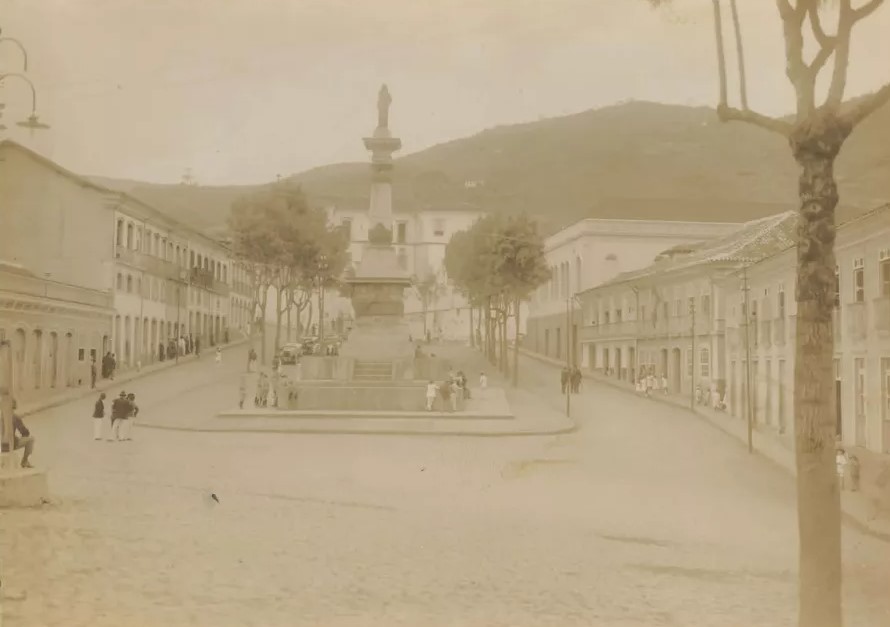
(589, 253)
(861, 335)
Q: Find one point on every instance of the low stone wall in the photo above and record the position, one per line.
(346, 397)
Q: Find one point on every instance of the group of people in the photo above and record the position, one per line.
(570, 379)
(648, 383)
(109, 365)
(453, 391)
(123, 408)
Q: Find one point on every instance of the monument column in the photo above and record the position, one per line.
(382, 144)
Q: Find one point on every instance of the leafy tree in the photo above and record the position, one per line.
(290, 246)
(815, 133)
(498, 263)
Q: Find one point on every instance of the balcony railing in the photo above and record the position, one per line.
(148, 263)
(857, 323)
(881, 313)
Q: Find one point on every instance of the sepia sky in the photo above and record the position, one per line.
(242, 90)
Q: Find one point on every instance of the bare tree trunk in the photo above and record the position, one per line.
(740, 53)
(278, 312)
(263, 305)
(290, 304)
(309, 314)
(815, 145)
(472, 334)
(516, 347)
(721, 54)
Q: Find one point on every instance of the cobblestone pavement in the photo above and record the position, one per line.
(644, 517)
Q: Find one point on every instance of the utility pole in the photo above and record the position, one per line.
(569, 355)
(692, 358)
(749, 414)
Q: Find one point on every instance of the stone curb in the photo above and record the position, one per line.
(851, 517)
(381, 432)
(131, 375)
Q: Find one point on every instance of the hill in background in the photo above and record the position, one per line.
(635, 160)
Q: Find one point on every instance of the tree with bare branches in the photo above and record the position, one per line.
(815, 133)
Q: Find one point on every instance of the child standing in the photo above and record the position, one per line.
(98, 417)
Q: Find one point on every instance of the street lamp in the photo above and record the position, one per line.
(32, 122)
(18, 45)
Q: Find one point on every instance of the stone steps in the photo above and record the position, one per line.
(372, 371)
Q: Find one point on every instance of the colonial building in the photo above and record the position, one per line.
(165, 279)
(54, 330)
(420, 238)
(668, 317)
(588, 253)
(761, 344)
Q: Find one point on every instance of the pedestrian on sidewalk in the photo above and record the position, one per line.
(93, 373)
(120, 408)
(218, 357)
(445, 392)
(132, 412)
(22, 438)
(483, 380)
(113, 366)
(664, 384)
(431, 391)
(98, 416)
(576, 380)
(840, 459)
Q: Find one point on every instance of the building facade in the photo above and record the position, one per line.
(164, 279)
(668, 319)
(761, 344)
(54, 330)
(589, 253)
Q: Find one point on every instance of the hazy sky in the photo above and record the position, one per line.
(242, 90)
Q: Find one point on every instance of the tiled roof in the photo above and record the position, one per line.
(754, 241)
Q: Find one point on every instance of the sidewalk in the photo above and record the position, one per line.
(47, 401)
(868, 509)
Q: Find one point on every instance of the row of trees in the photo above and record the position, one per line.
(821, 122)
(496, 264)
(287, 247)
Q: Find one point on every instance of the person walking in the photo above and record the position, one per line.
(93, 373)
(218, 357)
(120, 408)
(483, 380)
(431, 390)
(98, 416)
(132, 412)
(576, 380)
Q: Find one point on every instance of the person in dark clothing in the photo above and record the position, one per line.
(22, 438)
(98, 416)
(564, 379)
(93, 373)
(120, 409)
(576, 380)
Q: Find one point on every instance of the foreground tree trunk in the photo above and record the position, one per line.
(815, 144)
(290, 326)
(516, 347)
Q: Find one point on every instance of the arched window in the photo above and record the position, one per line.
(130, 235)
(129, 284)
(120, 281)
(119, 240)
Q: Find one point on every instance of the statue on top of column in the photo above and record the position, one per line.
(383, 102)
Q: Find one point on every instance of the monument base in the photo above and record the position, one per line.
(351, 395)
